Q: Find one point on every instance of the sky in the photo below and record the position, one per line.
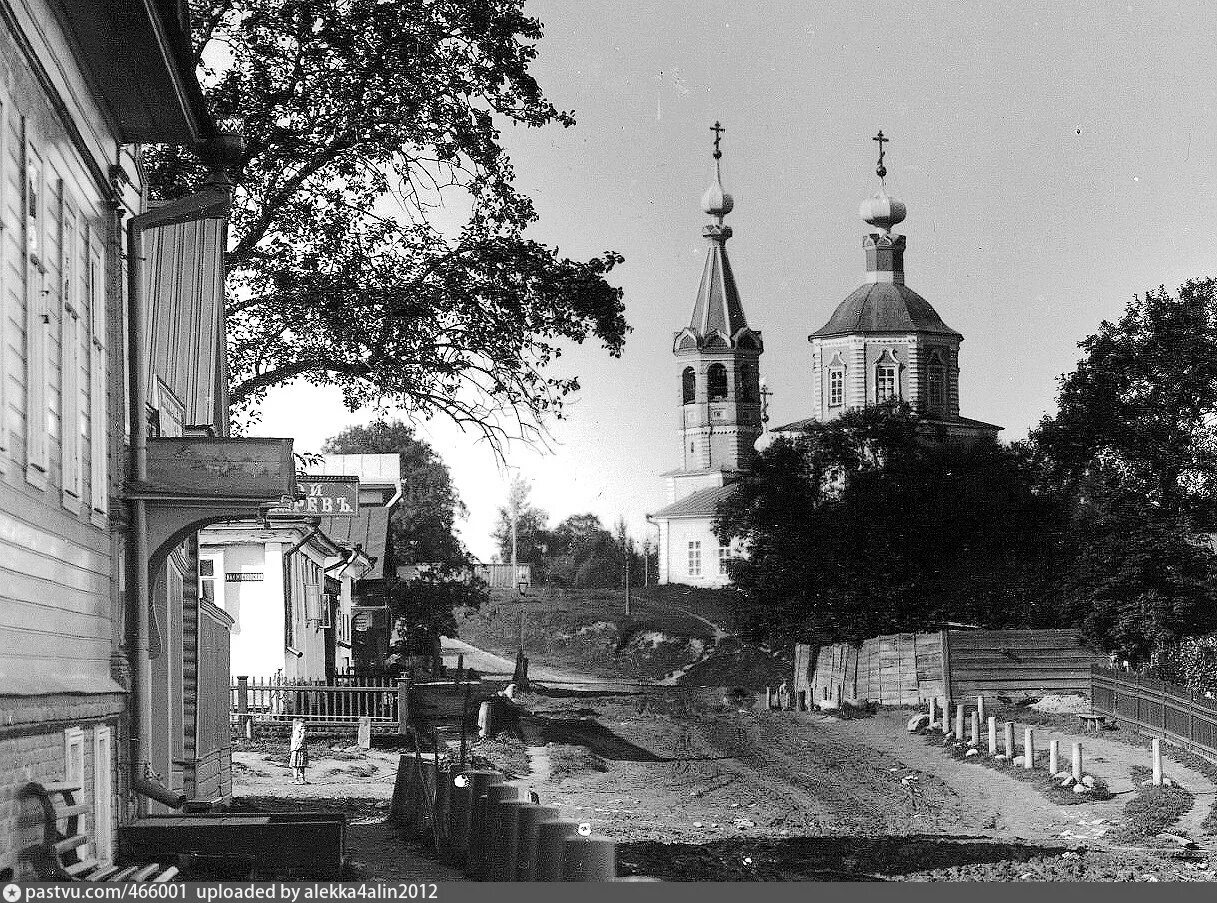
(1056, 159)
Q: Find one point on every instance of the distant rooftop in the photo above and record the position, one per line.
(372, 470)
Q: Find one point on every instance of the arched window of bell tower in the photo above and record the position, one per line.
(688, 386)
(716, 382)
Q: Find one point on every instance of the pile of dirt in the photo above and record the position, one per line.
(735, 663)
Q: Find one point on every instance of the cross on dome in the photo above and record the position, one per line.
(716, 201)
(882, 210)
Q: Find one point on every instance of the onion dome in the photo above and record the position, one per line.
(882, 211)
(715, 201)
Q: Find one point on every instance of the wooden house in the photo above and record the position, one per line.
(113, 422)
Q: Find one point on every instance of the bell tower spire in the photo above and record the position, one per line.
(718, 355)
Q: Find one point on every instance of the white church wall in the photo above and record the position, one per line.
(679, 564)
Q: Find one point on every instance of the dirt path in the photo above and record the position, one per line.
(489, 663)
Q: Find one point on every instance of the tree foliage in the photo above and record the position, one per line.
(869, 524)
(1134, 450)
(377, 241)
(422, 532)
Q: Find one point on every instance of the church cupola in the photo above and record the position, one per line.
(717, 353)
(885, 343)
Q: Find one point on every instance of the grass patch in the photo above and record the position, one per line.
(1151, 811)
(568, 761)
(1038, 777)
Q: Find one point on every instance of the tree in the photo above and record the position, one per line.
(422, 527)
(1133, 448)
(369, 126)
(868, 524)
(532, 535)
(422, 531)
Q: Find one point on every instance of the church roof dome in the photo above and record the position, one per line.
(884, 307)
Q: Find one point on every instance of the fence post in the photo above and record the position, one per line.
(1009, 738)
(1028, 748)
(980, 708)
(959, 723)
(992, 735)
(1156, 751)
(933, 714)
(974, 739)
(1077, 761)
(1054, 756)
(403, 705)
(243, 718)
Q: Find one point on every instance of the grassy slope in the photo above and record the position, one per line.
(588, 631)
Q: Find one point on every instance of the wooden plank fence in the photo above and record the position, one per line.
(1156, 708)
(911, 668)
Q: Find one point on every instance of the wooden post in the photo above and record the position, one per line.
(1054, 756)
(768, 697)
(959, 722)
(992, 735)
(975, 726)
(460, 667)
(946, 674)
(464, 725)
(1028, 748)
(933, 714)
(364, 738)
(1155, 747)
(1009, 740)
(980, 707)
(243, 704)
(403, 705)
(1077, 761)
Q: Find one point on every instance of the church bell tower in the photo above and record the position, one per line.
(717, 358)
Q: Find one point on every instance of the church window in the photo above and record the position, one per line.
(695, 558)
(688, 386)
(716, 382)
(750, 383)
(936, 385)
(724, 555)
(885, 383)
(836, 387)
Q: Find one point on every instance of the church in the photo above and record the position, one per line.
(883, 343)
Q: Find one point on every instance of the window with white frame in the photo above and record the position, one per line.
(694, 558)
(836, 386)
(99, 492)
(71, 334)
(885, 383)
(74, 757)
(936, 384)
(103, 797)
(724, 555)
(37, 319)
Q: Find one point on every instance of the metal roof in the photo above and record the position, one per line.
(702, 503)
(884, 307)
(369, 530)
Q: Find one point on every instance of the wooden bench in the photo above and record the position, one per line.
(60, 855)
(1094, 722)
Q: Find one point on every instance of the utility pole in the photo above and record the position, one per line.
(627, 581)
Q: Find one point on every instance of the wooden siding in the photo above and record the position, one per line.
(183, 271)
(907, 668)
(213, 736)
(1019, 662)
(55, 561)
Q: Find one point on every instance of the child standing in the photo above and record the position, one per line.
(299, 752)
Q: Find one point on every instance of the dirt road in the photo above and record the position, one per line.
(769, 795)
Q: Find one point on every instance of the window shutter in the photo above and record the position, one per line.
(99, 490)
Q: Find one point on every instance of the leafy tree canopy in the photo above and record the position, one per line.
(422, 531)
(869, 524)
(376, 239)
(1133, 447)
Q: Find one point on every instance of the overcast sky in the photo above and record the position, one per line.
(1055, 159)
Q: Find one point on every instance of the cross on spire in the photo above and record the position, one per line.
(718, 130)
(881, 170)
